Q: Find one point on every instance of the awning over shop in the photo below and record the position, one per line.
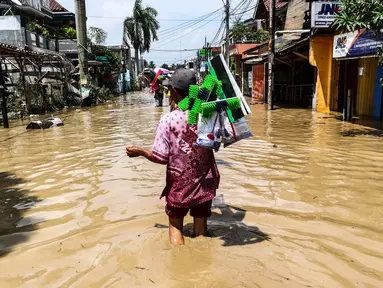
(254, 61)
(284, 46)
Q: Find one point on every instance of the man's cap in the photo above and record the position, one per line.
(182, 79)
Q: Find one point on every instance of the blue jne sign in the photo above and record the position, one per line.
(329, 9)
(323, 13)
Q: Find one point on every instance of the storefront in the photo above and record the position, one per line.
(357, 91)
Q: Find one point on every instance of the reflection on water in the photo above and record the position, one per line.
(301, 205)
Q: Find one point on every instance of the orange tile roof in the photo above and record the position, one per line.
(241, 48)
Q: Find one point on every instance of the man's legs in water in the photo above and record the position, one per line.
(175, 231)
(200, 214)
(200, 226)
(160, 99)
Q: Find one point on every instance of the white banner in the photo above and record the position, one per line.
(342, 44)
(323, 13)
(357, 43)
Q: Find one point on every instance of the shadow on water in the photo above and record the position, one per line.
(221, 162)
(14, 202)
(372, 127)
(363, 132)
(228, 226)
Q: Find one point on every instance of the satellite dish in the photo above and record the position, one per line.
(17, 2)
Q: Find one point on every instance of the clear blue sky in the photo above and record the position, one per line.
(109, 15)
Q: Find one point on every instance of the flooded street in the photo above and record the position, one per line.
(301, 205)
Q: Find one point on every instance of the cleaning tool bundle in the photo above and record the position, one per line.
(197, 96)
(222, 120)
(232, 104)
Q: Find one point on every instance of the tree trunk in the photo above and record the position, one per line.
(137, 61)
(130, 60)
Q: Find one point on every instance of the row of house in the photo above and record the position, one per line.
(317, 66)
(40, 55)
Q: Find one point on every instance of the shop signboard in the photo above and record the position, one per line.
(323, 13)
(203, 53)
(357, 43)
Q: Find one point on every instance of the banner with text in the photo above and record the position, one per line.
(357, 43)
(323, 13)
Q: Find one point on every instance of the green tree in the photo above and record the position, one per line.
(141, 29)
(152, 65)
(114, 59)
(242, 32)
(165, 66)
(97, 35)
(359, 14)
(65, 32)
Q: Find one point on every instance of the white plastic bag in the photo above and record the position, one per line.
(237, 131)
(209, 132)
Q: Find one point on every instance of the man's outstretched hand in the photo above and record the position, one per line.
(133, 151)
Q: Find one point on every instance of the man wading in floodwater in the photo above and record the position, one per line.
(192, 177)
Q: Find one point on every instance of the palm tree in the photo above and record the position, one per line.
(141, 29)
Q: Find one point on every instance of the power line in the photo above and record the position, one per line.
(165, 50)
(188, 32)
(171, 37)
(189, 24)
(221, 28)
(239, 6)
(159, 19)
(167, 34)
(218, 32)
(243, 12)
(172, 32)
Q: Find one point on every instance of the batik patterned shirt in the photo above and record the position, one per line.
(192, 177)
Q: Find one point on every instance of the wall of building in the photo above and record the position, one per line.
(366, 84)
(11, 32)
(321, 48)
(258, 83)
(378, 95)
(295, 16)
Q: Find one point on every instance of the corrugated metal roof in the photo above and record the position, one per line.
(278, 4)
(57, 7)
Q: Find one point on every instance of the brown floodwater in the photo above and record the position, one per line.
(300, 205)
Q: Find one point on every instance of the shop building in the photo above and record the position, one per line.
(357, 89)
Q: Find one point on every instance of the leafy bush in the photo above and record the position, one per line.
(242, 32)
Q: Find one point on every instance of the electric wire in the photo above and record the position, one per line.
(180, 29)
(187, 33)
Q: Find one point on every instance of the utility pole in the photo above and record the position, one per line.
(227, 44)
(3, 96)
(270, 95)
(81, 40)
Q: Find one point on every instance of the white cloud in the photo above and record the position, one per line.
(167, 9)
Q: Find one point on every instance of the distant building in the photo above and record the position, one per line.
(14, 27)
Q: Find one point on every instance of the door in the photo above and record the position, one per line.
(353, 86)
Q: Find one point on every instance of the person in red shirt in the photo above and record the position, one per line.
(192, 176)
